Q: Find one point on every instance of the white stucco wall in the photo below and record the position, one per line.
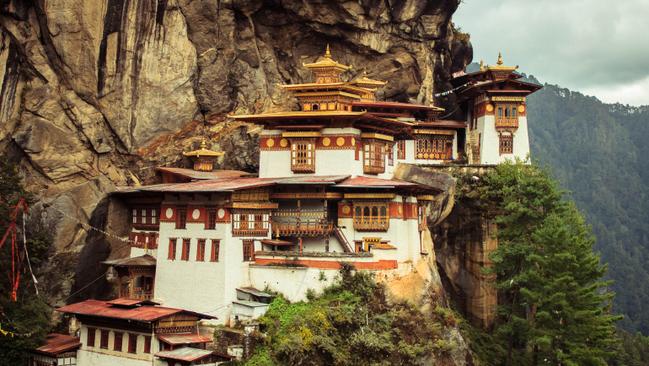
(96, 356)
(490, 142)
(294, 282)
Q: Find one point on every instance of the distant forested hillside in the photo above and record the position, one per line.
(600, 153)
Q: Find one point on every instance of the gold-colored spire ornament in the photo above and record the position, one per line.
(500, 59)
(500, 65)
(203, 157)
(482, 68)
(326, 69)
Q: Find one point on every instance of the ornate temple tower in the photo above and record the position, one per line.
(494, 101)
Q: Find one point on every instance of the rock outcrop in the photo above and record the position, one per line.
(92, 89)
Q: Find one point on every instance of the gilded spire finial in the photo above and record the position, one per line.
(500, 59)
(328, 52)
(481, 65)
(203, 143)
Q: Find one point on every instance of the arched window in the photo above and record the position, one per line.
(315, 107)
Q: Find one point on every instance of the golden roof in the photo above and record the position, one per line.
(298, 114)
(203, 151)
(367, 82)
(500, 65)
(327, 62)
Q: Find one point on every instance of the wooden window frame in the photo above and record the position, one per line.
(173, 246)
(103, 338)
(214, 251)
(390, 153)
(118, 341)
(434, 147)
(147, 344)
(303, 155)
(181, 218)
(200, 250)
(210, 219)
(144, 217)
(371, 216)
(246, 223)
(186, 249)
(132, 343)
(90, 337)
(374, 157)
(506, 143)
(401, 149)
(506, 115)
(248, 246)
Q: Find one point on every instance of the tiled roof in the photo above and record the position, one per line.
(370, 182)
(187, 354)
(175, 339)
(143, 313)
(56, 344)
(143, 261)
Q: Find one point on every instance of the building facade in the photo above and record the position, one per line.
(324, 193)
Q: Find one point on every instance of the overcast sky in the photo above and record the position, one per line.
(597, 47)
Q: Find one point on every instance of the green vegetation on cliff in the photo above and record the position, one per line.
(352, 323)
(29, 317)
(554, 307)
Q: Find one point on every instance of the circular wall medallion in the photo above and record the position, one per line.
(340, 141)
(521, 108)
(490, 108)
(221, 213)
(425, 155)
(326, 141)
(169, 212)
(346, 210)
(270, 142)
(353, 141)
(196, 214)
(283, 142)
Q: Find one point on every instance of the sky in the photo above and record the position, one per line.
(597, 47)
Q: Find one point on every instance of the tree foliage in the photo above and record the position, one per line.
(29, 317)
(598, 151)
(554, 306)
(351, 323)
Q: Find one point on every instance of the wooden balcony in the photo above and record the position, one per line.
(506, 122)
(307, 227)
(249, 232)
(381, 223)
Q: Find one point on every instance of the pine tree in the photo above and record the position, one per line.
(554, 304)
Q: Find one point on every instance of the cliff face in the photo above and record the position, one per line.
(96, 93)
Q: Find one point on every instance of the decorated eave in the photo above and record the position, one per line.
(365, 82)
(336, 182)
(496, 79)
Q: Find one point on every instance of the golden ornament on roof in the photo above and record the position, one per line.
(203, 151)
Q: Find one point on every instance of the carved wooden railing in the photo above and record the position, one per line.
(375, 223)
(306, 227)
(506, 122)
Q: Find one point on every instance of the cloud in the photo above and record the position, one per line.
(594, 46)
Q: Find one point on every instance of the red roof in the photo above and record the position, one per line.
(175, 339)
(370, 182)
(56, 343)
(124, 301)
(143, 313)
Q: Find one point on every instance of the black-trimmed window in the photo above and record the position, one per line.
(371, 216)
(506, 143)
(181, 218)
(373, 157)
(303, 156)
